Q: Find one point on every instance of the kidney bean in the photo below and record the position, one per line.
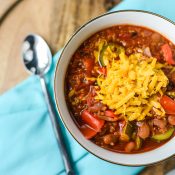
(171, 119)
(130, 146)
(110, 138)
(143, 131)
(156, 37)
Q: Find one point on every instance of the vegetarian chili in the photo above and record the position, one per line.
(120, 88)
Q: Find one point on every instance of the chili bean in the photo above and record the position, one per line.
(110, 138)
(124, 138)
(156, 37)
(143, 131)
(171, 119)
(130, 146)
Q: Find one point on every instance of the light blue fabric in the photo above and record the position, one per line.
(27, 142)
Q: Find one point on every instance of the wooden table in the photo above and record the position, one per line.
(55, 20)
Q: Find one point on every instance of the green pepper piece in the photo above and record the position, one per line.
(101, 58)
(133, 135)
(165, 136)
(104, 48)
(138, 142)
(127, 131)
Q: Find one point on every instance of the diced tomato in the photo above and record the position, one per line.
(167, 53)
(168, 104)
(88, 64)
(87, 132)
(110, 113)
(92, 120)
(102, 70)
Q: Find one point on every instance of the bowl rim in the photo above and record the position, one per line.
(55, 75)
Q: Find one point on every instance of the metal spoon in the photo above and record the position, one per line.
(37, 59)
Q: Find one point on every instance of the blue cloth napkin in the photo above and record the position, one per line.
(27, 142)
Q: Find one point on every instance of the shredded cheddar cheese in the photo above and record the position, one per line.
(132, 86)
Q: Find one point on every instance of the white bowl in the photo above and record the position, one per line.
(133, 17)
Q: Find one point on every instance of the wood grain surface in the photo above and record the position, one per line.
(55, 20)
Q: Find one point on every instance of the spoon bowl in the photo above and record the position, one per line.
(36, 55)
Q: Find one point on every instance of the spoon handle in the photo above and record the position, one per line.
(57, 130)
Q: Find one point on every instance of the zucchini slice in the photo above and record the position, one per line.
(165, 136)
